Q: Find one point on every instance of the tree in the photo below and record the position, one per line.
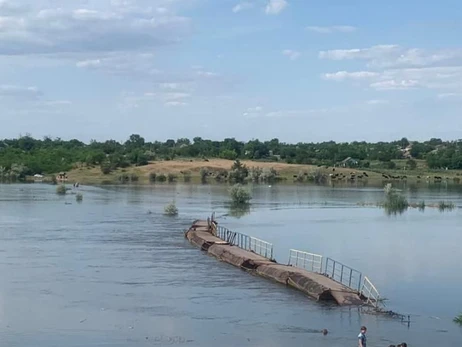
(239, 172)
(403, 143)
(135, 141)
(411, 164)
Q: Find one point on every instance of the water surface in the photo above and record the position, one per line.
(113, 271)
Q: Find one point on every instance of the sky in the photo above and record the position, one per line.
(297, 70)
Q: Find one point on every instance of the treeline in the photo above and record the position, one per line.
(27, 156)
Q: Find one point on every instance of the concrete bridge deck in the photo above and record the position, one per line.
(318, 286)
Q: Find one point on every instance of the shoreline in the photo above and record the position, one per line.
(192, 171)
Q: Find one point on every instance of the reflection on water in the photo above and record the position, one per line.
(238, 211)
(108, 272)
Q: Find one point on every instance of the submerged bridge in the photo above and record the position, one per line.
(319, 277)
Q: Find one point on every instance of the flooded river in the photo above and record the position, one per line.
(114, 271)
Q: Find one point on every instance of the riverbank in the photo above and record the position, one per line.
(192, 170)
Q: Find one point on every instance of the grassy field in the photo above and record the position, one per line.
(286, 171)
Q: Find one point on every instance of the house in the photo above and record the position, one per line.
(349, 162)
(38, 178)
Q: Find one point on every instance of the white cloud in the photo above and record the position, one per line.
(175, 103)
(275, 6)
(253, 112)
(445, 77)
(293, 55)
(343, 75)
(332, 29)
(393, 56)
(371, 53)
(297, 113)
(82, 26)
(242, 6)
(19, 91)
(133, 64)
(449, 95)
(175, 96)
(395, 84)
(172, 86)
(395, 68)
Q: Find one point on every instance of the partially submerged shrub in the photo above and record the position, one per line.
(221, 175)
(255, 174)
(171, 209)
(161, 178)
(79, 197)
(269, 175)
(171, 177)
(421, 205)
(152, 177)
(134, 177)
(123, 178)
(239, 195)
(187, 176)
(442, 206)
(204, 174)
(300, 177)
(238, 173)
(458, 319)
(394, 202)
(61, 189)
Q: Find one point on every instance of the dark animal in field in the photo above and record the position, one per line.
(365, 174)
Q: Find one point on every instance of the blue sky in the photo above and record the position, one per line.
(298, 70)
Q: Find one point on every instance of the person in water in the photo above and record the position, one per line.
(362, 337)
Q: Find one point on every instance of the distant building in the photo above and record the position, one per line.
(349, 162)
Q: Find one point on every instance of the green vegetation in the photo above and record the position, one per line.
(61, 189)
(421, 206)
(394, 201)
(161, 178)
(240, 196)
(239, 172)
(187, 176)
(458, 319)
(152, 177)
(26, 156)
(171, 209)
(171, 178)
(443, 206)
(204, 174)
(79, 197)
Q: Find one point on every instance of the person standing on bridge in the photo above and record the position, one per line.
(362, 337)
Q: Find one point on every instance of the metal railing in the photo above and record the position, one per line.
(335, 270)
(249, 243)
(308, 261)
(344, 274)
(370, 292)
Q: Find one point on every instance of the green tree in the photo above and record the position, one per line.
(411, 164)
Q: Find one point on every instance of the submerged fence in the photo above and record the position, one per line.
(369, 291)
(344, 274)
(312, 262)
(337, 271)
(249, 243)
